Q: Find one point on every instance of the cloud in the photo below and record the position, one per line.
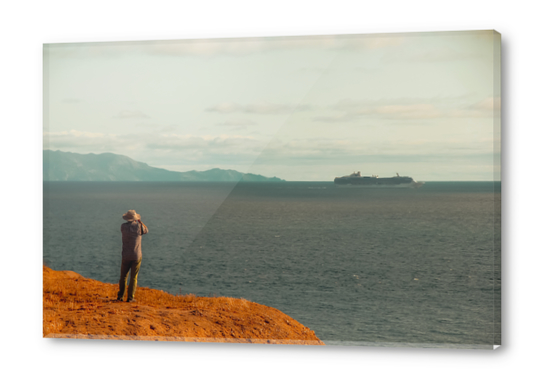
(131, 114)
(416, 111)
(488, 104)
(258, 108)
(226, 150)
(160, 148)
(168, 129)
(346, 117)
(334, 151)
(176, 141)
(488, 107)
(238, 128)
(209, 149)
(148, 125)
(75, 140)
(238, 122)
(224, 107)
(409, 109)
(390, 111)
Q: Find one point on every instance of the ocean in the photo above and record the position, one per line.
(359, 266)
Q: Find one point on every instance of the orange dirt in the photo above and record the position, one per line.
(77, 307)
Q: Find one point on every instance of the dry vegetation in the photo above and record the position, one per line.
(77, 307)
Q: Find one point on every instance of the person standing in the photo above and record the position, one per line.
(131, 230)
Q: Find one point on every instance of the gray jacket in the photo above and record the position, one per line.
(131, 239)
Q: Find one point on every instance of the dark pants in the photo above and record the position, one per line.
(132, 266)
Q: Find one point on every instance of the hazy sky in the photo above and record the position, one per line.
(425, 105)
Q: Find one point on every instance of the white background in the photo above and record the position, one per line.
(26, 25)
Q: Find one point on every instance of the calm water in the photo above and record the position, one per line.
(358, 266)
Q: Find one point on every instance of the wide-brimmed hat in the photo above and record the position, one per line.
(131, 215)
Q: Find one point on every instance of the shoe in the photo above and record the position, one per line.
(119, 299)
(130, 300)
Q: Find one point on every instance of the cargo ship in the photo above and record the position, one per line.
(355, 179)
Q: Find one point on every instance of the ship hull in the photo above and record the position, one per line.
(376, 182)
(403, 185)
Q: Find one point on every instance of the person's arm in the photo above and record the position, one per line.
(144, 229)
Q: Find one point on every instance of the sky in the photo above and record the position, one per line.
(425, 105)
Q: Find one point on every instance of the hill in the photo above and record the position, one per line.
(64, 166)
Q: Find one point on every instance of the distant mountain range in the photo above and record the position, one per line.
(63, 166)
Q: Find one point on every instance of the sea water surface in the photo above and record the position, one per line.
(359, 266)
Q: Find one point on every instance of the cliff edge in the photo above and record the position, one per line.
(77, 307)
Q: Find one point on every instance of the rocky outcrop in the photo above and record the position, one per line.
(77, 307)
